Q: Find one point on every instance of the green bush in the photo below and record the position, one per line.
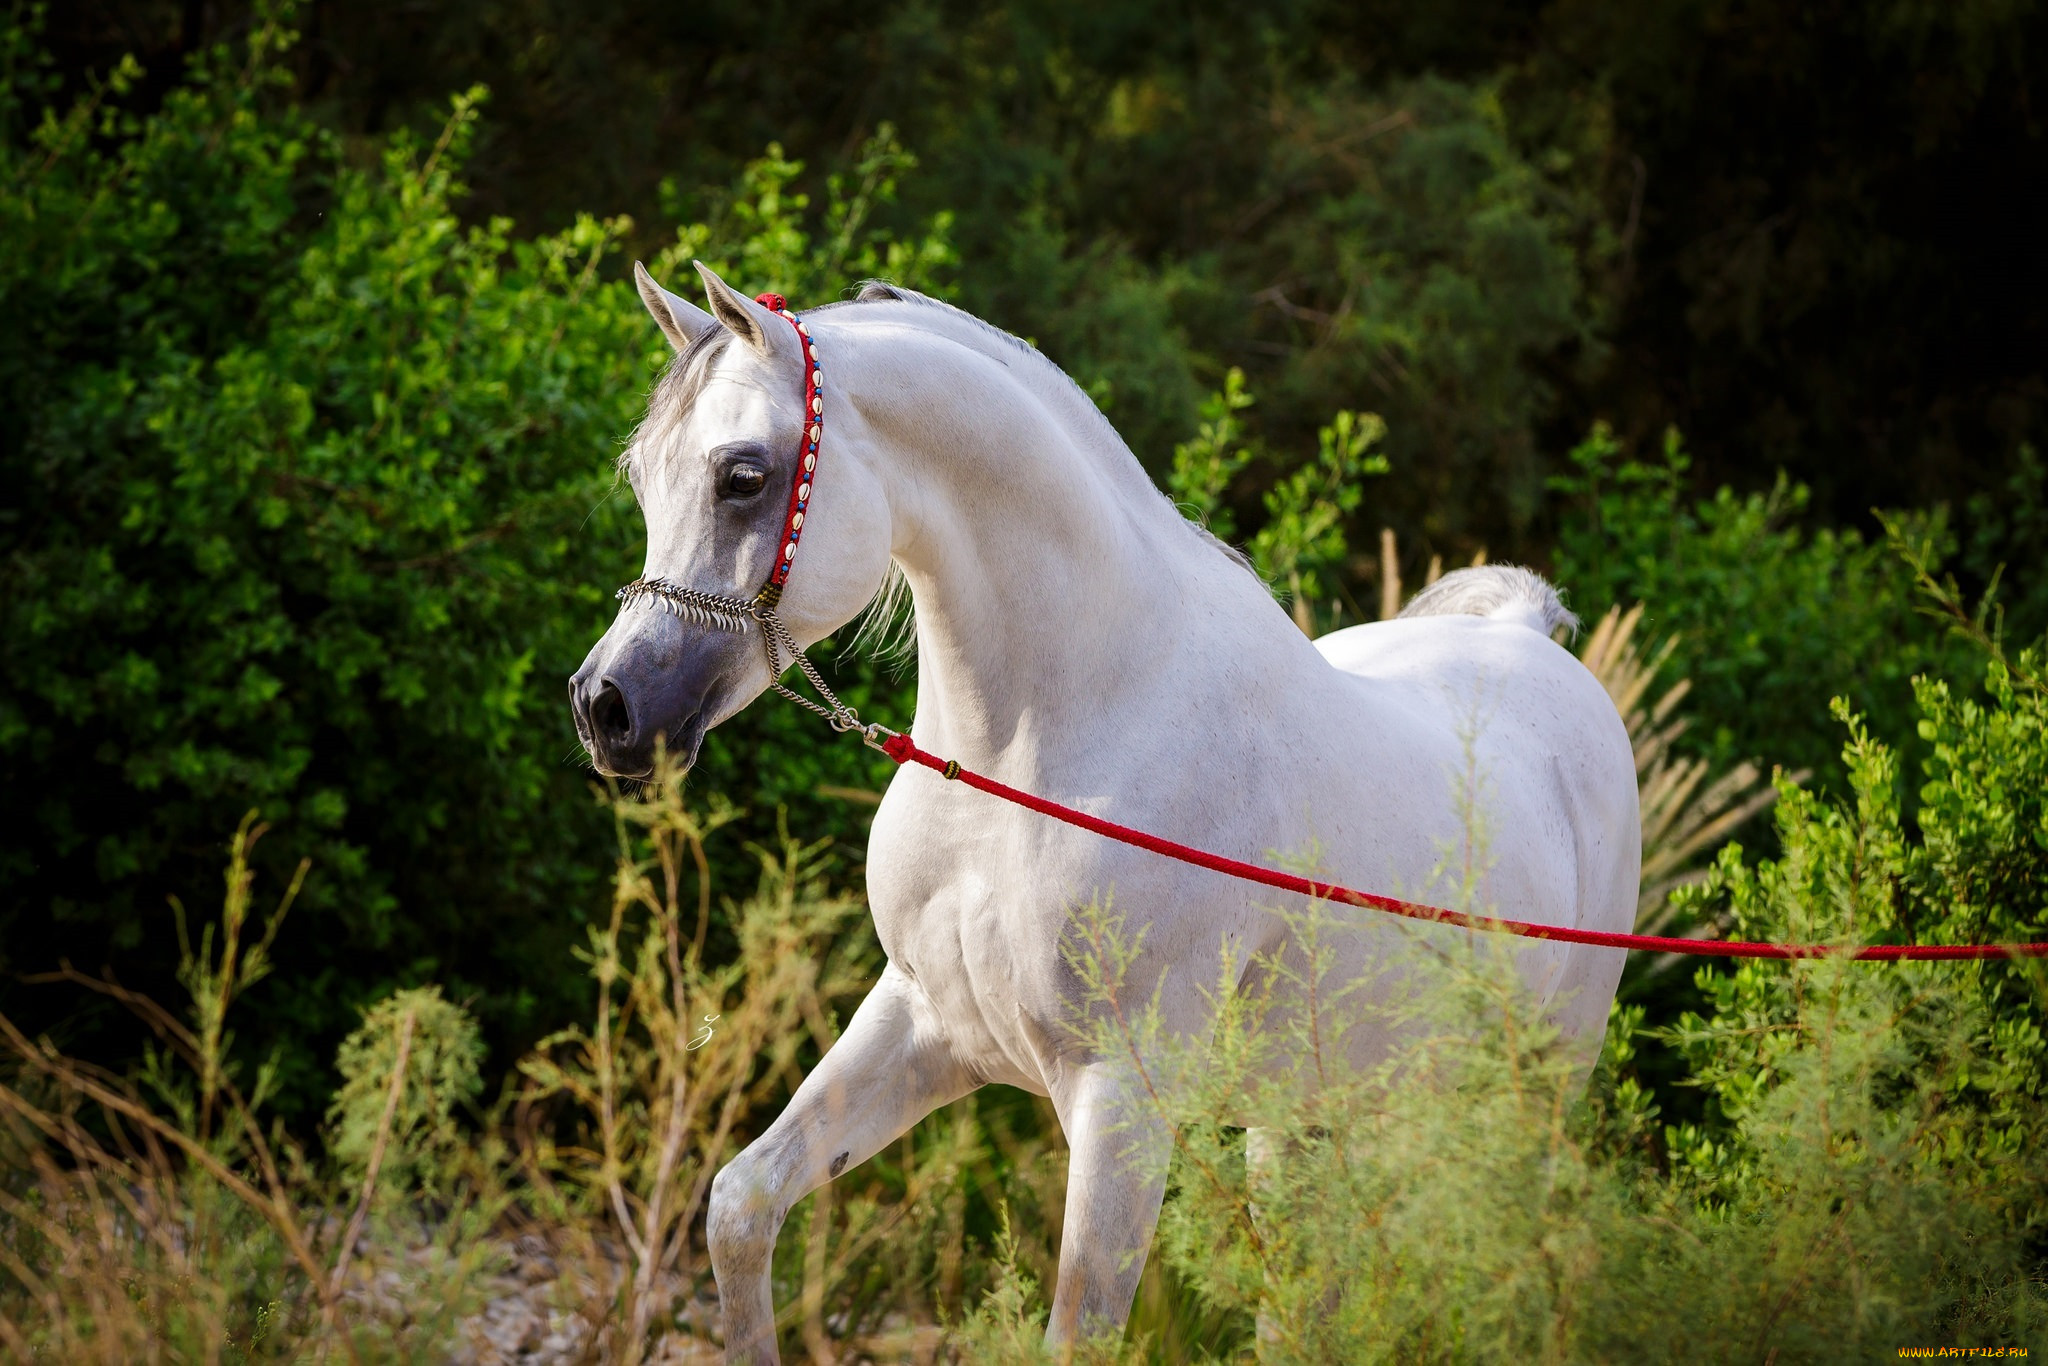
(1974, 871)
(405, 1070)
(1772, 615)
(1300, 546)
(1868, 1177)
(2008, 544)
(1436, 262)
(310, 506)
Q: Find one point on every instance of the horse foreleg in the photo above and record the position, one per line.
(889, 1069)
(1119, 1149)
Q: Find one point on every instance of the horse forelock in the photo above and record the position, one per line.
(682, 382)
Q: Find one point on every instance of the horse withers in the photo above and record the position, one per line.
(1079, 639)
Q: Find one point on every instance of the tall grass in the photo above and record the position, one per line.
(161, 1217)
(1470, 1199)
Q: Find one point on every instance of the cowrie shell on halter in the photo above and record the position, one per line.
(796, 522)
(803, 493)
(817, 378)
(789, 551)
(810, 462)
(814, 433)
(818, 404)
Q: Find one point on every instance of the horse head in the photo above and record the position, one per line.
(718, 468)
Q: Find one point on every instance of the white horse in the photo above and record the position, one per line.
(1079, 639)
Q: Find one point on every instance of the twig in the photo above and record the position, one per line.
(1390, 576)
(392, 1095)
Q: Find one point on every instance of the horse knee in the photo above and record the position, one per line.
(742, 1220)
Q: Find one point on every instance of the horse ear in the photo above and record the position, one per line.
(748, 321)
(681, 321)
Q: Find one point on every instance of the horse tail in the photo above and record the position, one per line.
(1504, 592)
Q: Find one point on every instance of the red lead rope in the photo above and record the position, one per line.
(904, 751)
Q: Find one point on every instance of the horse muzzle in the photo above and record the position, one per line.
(652, 681)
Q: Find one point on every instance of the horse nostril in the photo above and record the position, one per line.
(608, 715)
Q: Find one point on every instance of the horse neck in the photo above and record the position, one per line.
(1048, 574)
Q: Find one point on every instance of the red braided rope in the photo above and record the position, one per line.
(806, 448)
(904, 751)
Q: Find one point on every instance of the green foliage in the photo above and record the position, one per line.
(1974, 871)
(2008, 543)
(1302, 543)
(1009, 1325)
(1460, 1202)
(404, 1070)
(1629, 213)
(287, 474)
(1208, 463)
(1435, 260)
(1771, 616)
(311, 506)
(756, 231)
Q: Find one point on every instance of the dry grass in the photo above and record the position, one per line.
(1687, 812)
(161, 1217)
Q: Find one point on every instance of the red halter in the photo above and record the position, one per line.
(807, 449)
(732, 614)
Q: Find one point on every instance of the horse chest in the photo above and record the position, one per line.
(976, 922)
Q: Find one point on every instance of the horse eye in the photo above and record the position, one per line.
(744, 481)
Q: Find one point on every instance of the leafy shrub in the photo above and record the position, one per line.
(1413, 258)
(311, 507)
(1301, 542)
(2008, 544)
(1868, 1179)
(404, 1070)
(1975, 871)
(1771, 617)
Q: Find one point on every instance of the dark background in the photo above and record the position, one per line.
(1828, 218)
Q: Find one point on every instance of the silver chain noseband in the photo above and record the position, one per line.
(732, 614)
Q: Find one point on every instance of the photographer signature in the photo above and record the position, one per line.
(699, 1040)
